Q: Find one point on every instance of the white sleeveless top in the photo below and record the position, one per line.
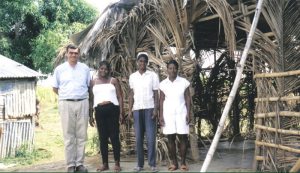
(105, 92)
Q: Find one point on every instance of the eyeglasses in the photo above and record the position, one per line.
(73, 53)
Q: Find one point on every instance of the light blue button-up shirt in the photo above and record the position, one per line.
(72, 82)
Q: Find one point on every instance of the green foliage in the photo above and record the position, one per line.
(5, 46)
(45, 46)
(26, 157)
(81, 12)
(31, 31)
(92, 145)
(46, 95)
(14, 12)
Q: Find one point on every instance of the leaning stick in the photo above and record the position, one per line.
(233, 91)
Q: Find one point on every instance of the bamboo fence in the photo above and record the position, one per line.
(277, 145)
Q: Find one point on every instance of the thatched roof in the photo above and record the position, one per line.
(152, 25)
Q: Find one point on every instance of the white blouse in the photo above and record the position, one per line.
(105, 92)
(143, 86)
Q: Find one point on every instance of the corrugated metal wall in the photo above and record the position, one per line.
(19, 98)
(2, 107)
(17, 107)
(14, 134)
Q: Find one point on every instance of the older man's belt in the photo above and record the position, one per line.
(74, 100)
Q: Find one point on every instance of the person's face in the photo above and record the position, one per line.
(73, 55)
(103, 71)
(142, 63)
(172, 70)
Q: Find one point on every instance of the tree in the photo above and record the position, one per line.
(32, 30)
(15, 34)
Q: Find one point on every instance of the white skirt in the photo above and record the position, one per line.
(175, 121)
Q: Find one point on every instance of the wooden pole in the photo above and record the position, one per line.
(278, 74)
(240, 68)
(282, 147)
(282, 131)
(296, 167)
(258, 133)
(274, 114)
(275, 99)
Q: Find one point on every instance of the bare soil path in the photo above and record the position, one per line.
(230, 157)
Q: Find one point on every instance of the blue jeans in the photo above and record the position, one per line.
(143, 122)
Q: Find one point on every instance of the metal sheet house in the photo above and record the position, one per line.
(17, 106)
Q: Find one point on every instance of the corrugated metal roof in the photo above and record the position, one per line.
(12, 69)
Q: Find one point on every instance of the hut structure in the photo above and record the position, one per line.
(192, 31)
(17, 106)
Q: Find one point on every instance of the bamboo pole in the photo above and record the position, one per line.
(274, 114)
(234, 13)
(234, 89)
(278, 74)
(278, 146)
(282, 131)
(259, 158)
(274, 99)
(257, 151)
(296, 167)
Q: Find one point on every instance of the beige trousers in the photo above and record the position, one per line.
(74, 118)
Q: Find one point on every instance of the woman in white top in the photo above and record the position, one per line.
(175, 113)
(108, 105)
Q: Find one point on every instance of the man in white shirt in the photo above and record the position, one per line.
(143, 104)
(71, 84)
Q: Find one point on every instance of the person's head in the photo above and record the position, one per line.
(72, 53)
(172, 68)
(104, 69)
(142, 61)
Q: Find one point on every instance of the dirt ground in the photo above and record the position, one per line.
(229, 157)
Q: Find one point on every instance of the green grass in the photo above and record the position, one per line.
(26, 157)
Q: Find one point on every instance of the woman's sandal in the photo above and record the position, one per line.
(103, 168)
(117, 168)
(172, 168)
(184, 168)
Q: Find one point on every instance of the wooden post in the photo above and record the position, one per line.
(296, 167)
(240, 68)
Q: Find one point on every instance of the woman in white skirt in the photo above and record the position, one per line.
(175, 106)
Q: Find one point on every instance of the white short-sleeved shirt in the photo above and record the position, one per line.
(174, 106)
(72, 82)
(143, 86)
